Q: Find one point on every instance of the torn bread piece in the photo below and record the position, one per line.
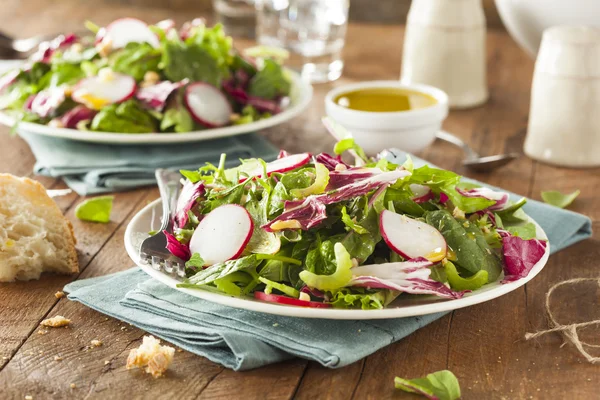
(34, 235)
(56, 322)
(152, 355)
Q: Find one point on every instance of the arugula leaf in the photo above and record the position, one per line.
(526, 231)
(127, 117)
(270, 82)
(96, 209)
(441, 385)
(557, 199)
(181, 60)
(472, 251)
(220, 270)
(135, 59)
(360, 298)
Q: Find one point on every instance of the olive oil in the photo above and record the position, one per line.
(385, 100)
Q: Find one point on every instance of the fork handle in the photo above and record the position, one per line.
(169, 188)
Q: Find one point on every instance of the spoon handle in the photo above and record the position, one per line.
(450, 138)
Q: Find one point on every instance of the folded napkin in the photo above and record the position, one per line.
(90, 168)
(241, 339)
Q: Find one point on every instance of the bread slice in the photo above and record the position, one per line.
(34, 235)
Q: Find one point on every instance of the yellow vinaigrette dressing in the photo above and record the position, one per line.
(384, 100)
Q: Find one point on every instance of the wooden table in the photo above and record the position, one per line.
(483, 345)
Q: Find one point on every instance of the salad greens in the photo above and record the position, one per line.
(319, 238)
(129, 77)
(440, 385)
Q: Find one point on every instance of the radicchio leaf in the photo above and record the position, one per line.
(501, 198)
(47, 49)
(80, 113)
(186, 201)
(308, 213)
(520, 256)
(241, 96)
(47, 101)
(331, 162)
(156, 96)
(409, 276)
(177, 248)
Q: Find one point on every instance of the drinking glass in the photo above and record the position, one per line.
(564, 123)
(313, 31)
(238, 17)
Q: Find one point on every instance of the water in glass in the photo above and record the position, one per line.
(312, 30)
(237, 16)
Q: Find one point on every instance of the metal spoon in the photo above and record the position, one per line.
(473, 160)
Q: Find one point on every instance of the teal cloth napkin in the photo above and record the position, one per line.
(241, 340)
(92, 168)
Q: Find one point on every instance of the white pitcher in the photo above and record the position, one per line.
(564, 116)
(444, 46)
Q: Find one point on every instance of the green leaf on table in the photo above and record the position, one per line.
(557, 199)
(96, 209)
(441, 385)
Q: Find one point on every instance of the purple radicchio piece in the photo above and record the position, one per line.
(74, 116)
(47, 49)
(331, 162)
(177, 248)
(155, 96)
(501, 198)
(187, 200)
(520, 256)
(409, 276)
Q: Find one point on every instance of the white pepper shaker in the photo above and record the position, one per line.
(444, 46)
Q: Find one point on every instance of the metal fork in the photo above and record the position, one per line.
(153, 250)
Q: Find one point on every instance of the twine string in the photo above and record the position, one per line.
(569, 330)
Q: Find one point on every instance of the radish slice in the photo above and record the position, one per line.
(411, 238)
(107, 88)
(283, 164)
(421, 193)
(222, 234)
(207, 105)
(126, 30)
(166, 24)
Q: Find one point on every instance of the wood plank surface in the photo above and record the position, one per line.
(483, 345)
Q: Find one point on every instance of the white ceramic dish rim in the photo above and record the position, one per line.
(304, 95)
(421, 116)
(495, 290)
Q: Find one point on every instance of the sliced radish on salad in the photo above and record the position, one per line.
(276, 298)
(207, 104)
(47, 101)
(127, 30)
(107, 88)
(283, 164)
(421, 193)
(222, 234)
(411, 238)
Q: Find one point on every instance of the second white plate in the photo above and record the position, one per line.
(404, 306)
(300, 97)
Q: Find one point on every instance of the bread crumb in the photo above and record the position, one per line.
(28, 397)
(96, 343)
(179, 351)
(56, 322)
(152, 355)
(42, 332)
(59, 294)
(57, 358)
(72, 386)
(106, 362)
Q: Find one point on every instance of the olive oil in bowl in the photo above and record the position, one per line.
(382, 99)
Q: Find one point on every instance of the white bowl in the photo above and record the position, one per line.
(410, 131)
(526, 20)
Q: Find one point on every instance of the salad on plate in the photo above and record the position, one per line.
(130, 77)
(314, 231)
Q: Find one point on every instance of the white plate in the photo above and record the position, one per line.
(300, 96)
(404, 306)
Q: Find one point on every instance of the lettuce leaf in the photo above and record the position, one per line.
(127, 117)
(360, 298)
(440, 385)
(270, 82)
(135, 59)
(557, 199)
(181, 61)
